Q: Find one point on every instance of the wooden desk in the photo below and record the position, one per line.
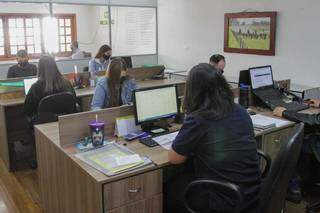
(69, 185)
(13, 123)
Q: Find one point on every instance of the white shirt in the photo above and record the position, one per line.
(77, 54)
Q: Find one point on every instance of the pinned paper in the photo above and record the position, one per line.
(125, 125)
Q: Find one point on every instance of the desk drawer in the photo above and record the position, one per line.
(150, 205)
(271, 143)
(132, 189)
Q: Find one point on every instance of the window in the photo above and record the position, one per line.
(28, 31)
(1, 39)
(65, 34)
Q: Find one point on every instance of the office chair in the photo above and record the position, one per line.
(223, 187)
(85, 69)
(275, 179)
(52, 106)
(274, 187)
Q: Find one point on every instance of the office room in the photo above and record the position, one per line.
(153, 106)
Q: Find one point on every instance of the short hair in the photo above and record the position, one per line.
(22, 53)
(212, 97)
(216, 58)
(75, 44)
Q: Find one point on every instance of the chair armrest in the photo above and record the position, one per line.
(268, 161)
(218, 186)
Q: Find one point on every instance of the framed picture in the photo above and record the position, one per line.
(250, 33)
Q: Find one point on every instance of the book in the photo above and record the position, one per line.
(113, 159)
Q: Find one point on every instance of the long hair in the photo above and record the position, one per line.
(114, 80)
(102, 50)
(207, 93)
(50, 76)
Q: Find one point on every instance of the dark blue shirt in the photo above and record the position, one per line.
(223, 149)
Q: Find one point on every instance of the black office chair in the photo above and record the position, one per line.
(53, 106)
(274, 188)
(85, 69)
(221, 187)
(49, 109)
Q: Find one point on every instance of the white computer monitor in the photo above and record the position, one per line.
(155, 103)
(261, 77)
(28, 83)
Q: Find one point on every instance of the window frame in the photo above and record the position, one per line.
(5, 19)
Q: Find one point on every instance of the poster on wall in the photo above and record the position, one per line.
(250, 33)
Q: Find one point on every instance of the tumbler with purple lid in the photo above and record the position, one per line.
(97, 132)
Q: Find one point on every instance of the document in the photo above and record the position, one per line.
(113, 159)
(266, 122)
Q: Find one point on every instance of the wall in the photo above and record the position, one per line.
(192, 30)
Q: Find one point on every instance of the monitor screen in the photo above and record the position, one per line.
(261, 77)
(28, 83)
(155, 103)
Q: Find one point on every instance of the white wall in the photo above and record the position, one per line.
(192, 30)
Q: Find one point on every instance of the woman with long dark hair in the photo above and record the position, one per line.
(217, 135)
(115, 89)
(50, 81)
(102, 59)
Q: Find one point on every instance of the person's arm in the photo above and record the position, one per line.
(34, 70)
(92, 66)
(132, 86)
(310, 119)
(10, 73)
(185, 143)
(99, 96)
(31, 102)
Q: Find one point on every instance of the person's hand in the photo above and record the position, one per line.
(314, 103)
(278, 111)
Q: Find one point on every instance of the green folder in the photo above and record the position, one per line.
(12, 84)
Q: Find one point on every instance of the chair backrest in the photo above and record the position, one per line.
(196, 189)
(313, 93)
(52, 106)
(274, 189)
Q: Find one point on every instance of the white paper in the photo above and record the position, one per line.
(130, 159)
(262, 120)
(125, 125)
(166, 140)
(133, 31)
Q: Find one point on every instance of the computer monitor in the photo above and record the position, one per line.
(127, 59)
(154, 103)
(261, 77)
(28, 83)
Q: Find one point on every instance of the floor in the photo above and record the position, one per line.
(19, 193)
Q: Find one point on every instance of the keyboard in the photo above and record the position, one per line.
(272, 94)
(164, 140)
(148, 141)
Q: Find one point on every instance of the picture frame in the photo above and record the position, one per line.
(250, 33)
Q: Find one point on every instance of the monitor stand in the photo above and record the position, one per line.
(156, 129)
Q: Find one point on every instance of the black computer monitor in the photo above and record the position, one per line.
(127, 59)
(155, 103)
